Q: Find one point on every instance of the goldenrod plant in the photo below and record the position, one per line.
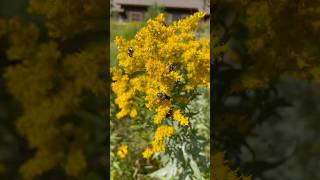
(159, 73)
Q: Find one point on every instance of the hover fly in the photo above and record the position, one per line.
(163, 97)
(130, 51)
(170, 67)
(170, 113)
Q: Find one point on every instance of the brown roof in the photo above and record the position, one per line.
(183, 4)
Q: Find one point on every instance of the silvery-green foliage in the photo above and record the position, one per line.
(187, 155)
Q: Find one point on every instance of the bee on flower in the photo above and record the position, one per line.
(130, 51)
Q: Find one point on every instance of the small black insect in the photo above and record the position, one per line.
(130, 51)
(163, 97)
(170, 113)
(170, 67)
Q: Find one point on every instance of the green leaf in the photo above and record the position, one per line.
(195, 169)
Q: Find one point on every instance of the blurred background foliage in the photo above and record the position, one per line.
(53, 65)
(265, 88)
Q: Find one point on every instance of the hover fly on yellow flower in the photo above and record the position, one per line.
(171, 67)
(130, 51)
(163, 97)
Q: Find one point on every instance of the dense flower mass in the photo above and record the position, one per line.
(160, 66)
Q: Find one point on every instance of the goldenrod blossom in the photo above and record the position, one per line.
(182, 120)
(122, 151)
(158, 143)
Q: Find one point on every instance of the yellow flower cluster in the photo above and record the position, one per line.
(177, 116)
(122, 151)
(158, 59)
(158, 144)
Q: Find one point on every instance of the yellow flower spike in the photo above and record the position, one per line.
(122, 151)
